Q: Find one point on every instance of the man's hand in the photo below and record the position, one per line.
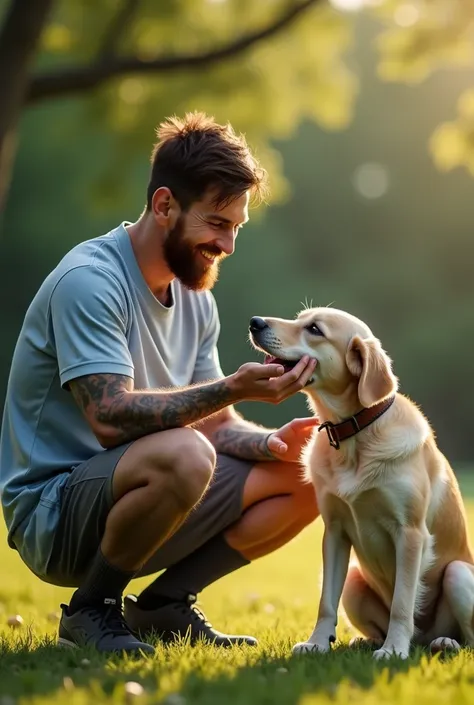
(270, 383)
(288, 442)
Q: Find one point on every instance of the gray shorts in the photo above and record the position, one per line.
(87, 500)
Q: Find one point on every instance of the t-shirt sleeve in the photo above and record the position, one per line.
(207, 365)
(89, 321)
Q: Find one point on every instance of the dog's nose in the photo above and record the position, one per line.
(257, 324)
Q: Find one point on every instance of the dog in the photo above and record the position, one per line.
(386, 494)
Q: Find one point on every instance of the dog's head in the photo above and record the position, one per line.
(346, 352)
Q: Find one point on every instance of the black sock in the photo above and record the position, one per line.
(103, 585)
(192, 574)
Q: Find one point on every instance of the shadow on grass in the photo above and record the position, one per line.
(206, 676)
(31, 668)
(285, 680)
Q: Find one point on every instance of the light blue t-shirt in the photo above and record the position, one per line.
(93, 314)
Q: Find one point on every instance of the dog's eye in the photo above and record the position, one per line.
(314, 329)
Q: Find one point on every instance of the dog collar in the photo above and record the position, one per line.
(338, 432)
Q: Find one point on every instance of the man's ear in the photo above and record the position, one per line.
(165, 207)
(366, 360)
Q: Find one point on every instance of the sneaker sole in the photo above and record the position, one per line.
(68, 644)
(65, 643)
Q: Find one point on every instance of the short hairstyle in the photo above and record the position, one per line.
(194, 155)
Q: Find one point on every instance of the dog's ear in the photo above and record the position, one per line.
(366, 360)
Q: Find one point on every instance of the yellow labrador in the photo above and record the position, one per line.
(384, 490)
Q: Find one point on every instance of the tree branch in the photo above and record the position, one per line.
(78, 79)
(116, 28)
(20, 35)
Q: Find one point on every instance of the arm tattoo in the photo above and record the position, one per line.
(110, 402)
(243, 439)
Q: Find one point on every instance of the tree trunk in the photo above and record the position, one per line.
(19, 37)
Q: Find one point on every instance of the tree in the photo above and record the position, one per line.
(19, 38)
(119, 52)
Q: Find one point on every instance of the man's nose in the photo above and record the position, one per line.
(226, 244)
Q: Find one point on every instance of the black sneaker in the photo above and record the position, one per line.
(177, 620)
(103, 627)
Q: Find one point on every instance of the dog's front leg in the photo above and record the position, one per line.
(408, 553)
(336, 553)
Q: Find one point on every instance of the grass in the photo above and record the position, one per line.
(274, 599)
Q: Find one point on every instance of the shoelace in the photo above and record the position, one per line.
(191, 605)
(111, 621)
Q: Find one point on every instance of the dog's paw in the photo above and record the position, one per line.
(306, 647)
(385, 653)
(444, 643)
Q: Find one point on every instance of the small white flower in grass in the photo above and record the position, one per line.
(15, 621)
(269, 608)
(68, 683)
(133, 690)
(282, 670)
(85, 662)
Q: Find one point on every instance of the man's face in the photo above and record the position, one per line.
(201, 238)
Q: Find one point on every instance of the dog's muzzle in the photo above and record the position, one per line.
(264, 338)
(261, 334)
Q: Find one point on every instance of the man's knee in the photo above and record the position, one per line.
(181, 461)
(303, 493)
(305, 498)
(294, 482)
(192, 467)
(275, 479)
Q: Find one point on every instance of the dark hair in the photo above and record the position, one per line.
(195, 154)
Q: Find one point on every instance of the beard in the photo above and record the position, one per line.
(184, 260)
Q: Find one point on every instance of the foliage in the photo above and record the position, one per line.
(265, 92)
(304, 72)
(429, 35)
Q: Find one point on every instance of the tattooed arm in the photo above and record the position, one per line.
(234, 435)
(117, 413)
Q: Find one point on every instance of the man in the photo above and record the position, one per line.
(121, 453)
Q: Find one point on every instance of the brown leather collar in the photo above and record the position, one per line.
(338, 432)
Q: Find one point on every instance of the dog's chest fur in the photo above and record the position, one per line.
(370, 504)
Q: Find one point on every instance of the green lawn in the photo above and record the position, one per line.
(275, 599)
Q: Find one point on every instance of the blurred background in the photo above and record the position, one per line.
(363, 113)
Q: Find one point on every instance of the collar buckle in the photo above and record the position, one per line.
(332, 434)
